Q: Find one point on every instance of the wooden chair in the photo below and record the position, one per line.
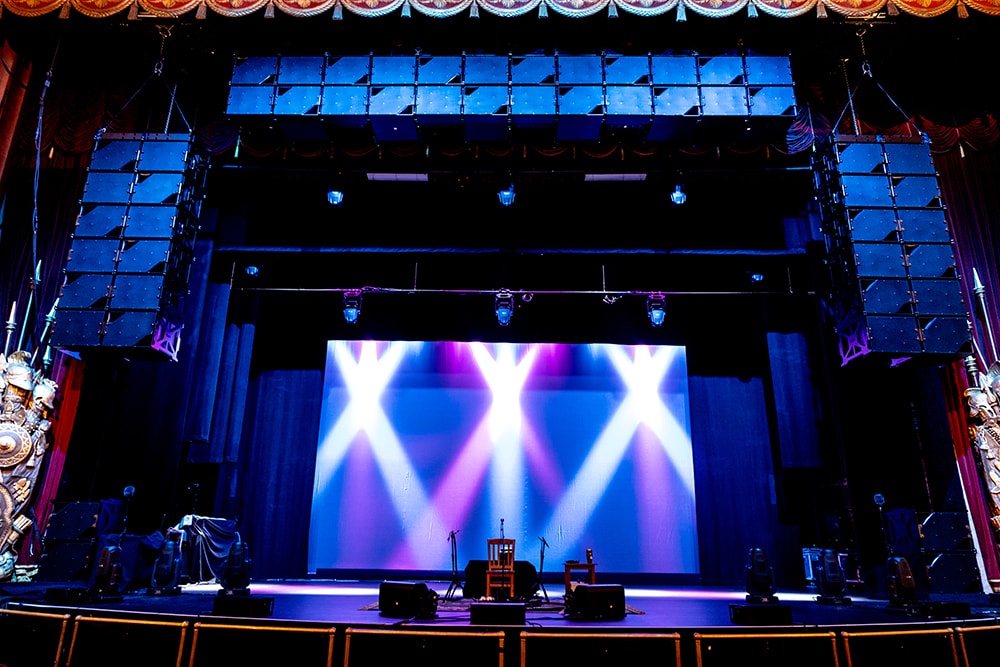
(33, 639)
(234, 644)
(379, 647)
(160, 643)
(933, 646)
(610, 648)
(500, 568)
(977, 645)
(781, 649)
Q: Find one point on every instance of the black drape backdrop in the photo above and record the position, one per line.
(231, 430)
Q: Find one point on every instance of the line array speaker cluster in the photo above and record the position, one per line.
(949, 553)
(890, 249)
(488, 96)
(131, 252)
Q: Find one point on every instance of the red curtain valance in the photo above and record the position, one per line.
(445, 8)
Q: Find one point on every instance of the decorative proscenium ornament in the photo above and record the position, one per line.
(984, 410)
(27, 402)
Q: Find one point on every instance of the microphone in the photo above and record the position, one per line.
(128, 492)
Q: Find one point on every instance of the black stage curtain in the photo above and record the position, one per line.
(279, 461)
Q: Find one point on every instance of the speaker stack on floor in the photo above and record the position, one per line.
(131, 253)
(949, 554)
(525, 579)
(889, 249)
(70, 543)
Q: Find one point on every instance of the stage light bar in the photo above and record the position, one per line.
(613, 177)
(416, 178)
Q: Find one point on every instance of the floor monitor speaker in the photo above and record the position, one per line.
(243, 606)
(596, 602)
(497, 613)
(399, 599)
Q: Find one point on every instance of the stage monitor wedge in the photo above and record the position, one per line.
(596, 602)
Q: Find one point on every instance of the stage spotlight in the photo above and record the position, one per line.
(655, 309)
(352, 306)
(504, 307)
(900, 583)
(108, 576)
(760, 578)
(506, 197)
(235, 579)
(678, 196)
(335, 197)
(166, 576)
(831, 584)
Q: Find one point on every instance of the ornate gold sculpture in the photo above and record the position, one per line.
(983, 396)
(27, 401)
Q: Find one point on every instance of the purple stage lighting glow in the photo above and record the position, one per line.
(586, 445)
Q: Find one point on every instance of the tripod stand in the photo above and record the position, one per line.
(455, 583)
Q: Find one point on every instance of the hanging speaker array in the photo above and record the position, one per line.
(889, 248)
(491, 97)
(130, 257)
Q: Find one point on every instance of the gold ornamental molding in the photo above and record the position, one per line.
(504, 8)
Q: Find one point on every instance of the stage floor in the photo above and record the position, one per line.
(355, 603)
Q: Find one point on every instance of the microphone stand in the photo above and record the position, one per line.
(455, 583)
(541, 568)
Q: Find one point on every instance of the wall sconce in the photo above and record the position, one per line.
(352, 306)
(503, 305)
(655, 308)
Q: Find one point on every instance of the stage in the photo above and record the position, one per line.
(323, 617)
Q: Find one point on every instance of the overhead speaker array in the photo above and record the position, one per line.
(489, 97)
(890, 249)
(130, 258)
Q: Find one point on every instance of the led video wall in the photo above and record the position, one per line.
(430, 447)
